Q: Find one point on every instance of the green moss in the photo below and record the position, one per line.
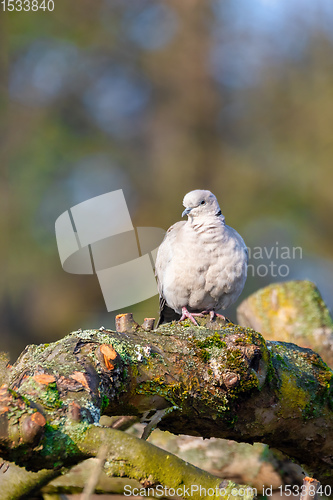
(292, 397)
(204, 355)
(135, 371)
(205, 346)
(50, 397)
(104, 403)
(152, 387)
(235, 360)
(57, 443)
(48, 394)
(314, 392)
(212, 341)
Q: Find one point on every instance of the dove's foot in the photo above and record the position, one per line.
(214, 315)
(190, 316)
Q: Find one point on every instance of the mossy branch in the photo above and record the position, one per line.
(215, 380)
(128, 456)
(131, 457)
(18, 483)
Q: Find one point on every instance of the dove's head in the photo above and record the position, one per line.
(200, 203)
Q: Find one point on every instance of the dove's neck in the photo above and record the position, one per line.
(206, 223)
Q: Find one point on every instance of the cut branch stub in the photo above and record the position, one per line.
(309, 489)
(19, 422)
(107, 355)
(148, 324)
(31, 427)
(125, 323)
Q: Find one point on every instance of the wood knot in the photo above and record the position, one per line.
(32, 427)
(125, 323)
(230, 379)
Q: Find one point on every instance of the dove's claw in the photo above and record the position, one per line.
(190, 316)
(214, 315)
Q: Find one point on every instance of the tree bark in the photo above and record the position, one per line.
(215, 380)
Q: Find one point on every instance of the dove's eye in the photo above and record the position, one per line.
(203, 202)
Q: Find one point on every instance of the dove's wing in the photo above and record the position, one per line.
(163, 259)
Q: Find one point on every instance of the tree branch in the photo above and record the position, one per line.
(135, 458)
(18, 483)
(216, 380)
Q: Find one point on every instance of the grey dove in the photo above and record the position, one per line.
(201, 265)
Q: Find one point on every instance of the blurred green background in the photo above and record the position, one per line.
(158, 98)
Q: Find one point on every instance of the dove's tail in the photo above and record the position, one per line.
(167, 314)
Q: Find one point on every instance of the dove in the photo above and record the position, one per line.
(201, 265)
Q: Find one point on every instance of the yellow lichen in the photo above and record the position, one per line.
(292, 396)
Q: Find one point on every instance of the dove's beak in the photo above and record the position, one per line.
(186, 211)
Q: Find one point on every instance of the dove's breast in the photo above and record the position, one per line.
(205, 267)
